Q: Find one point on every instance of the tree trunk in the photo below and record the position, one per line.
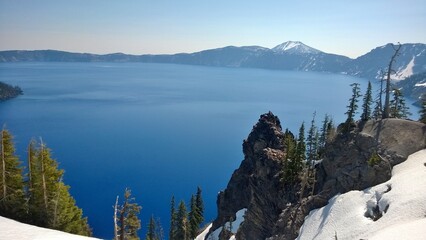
(386, 109)
(43, 175)
(115, 219)
(55, 211)
(3, 161)
(30, 182)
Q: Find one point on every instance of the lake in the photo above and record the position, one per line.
(160, 129)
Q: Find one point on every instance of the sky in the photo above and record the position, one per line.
(344, 27)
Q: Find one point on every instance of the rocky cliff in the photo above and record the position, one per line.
(275, 209)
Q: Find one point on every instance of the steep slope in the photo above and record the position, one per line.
(414, 86)
(374, 212)
(275, 210)
(10, 229)
(411, 60)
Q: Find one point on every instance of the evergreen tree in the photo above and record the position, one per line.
(128, 221)
(312, 141)
(289, 168)
(12, 197)
(366, 105)
(353, 105)
(423, 111)
(200, 205)
(152, 230)
(182, 230)
(398, 109)
(194, 218)
(323, 135)
(173, 220)
(386, 108)
(50, 203)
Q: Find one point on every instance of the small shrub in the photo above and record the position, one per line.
(374, 159)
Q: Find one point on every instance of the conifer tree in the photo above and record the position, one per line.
(398, 109)
(194, 218)
(182, 230)
(152, 230)
(353, 105)
(200, 205)
(366, 105)
(289, 168)
(50, 203)
(312, 141)
(12, 197)
(128, 221)
(386, 108)
(173, 220)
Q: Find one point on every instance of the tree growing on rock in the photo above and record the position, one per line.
(366, 105)
(353, 105)
(398, 108)
(390, 71)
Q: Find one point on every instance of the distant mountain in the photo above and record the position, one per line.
(411, 60)
(291, 55)
(414, 86)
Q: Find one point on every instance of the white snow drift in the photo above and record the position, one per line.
(398, 207)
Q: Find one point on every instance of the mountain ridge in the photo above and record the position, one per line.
(290, 55)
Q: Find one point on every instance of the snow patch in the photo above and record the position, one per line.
(420, 84)
(203, 234)
(295, 47)
(404, 73)
(11, 229)
(400, 201)
(231, 226)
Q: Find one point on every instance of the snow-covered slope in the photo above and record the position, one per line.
(295, 47)
(397, 206)
(10, 229)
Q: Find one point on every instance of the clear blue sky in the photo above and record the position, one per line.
(350, 28)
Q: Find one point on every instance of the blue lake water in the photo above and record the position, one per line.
(159, 129)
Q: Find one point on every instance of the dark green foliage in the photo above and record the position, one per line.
(353, 104)
(128, 221)
(193, 217)
(312, 142)
(7, 91)
(152, 230)
(295, 155)
(366, 105)
(173, 220)
(12, 197)
(49, 201)
(182, 228)
(398, 109)
(423, 112)
(200, 205)
(374, 159)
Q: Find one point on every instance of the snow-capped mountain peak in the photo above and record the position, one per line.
(295, 47)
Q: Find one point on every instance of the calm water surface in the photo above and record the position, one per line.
(159, 129)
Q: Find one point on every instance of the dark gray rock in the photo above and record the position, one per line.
(274, 209)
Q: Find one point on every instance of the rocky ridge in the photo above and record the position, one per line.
(274, 209)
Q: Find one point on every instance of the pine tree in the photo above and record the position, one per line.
(128, 221)
(173, 220)
(50, 203)
(152, 230)
(182, 230)
(423, 111)
(312, 141)
(398, 109)
(289, 168)
(366, 105)
(194, 218)
(12, 197)
(200, 205)
(353, 105)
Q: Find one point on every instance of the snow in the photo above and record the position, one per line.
(401, 201)
(295, 47)
(404, 73)
(420, 84)
(11, 229)
(239, 218)
(203, 234)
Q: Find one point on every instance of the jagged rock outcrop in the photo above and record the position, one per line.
(274, 209)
